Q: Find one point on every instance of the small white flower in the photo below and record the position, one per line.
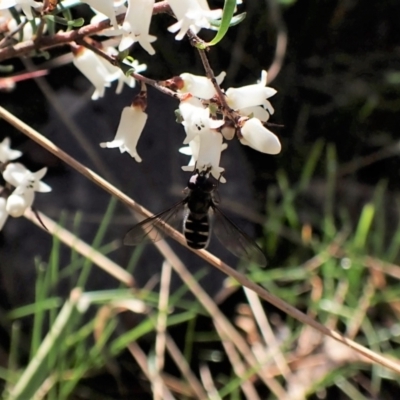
(192, 14)
(3, 212)
(92, 67)
(133, 120)
(205, 150)
(251, 95)
(18, 175)
(105, 7)
(26, 184)
(6, 153)
(137, 25)
(259, 138)
(200, 86)
(26, 6)
(196, 119)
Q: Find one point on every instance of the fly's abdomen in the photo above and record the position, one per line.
(196, 230)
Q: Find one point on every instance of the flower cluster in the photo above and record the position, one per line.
(191, 15)
(205, 123)
(24, 182)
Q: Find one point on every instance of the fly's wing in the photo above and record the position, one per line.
(151, 229)
(235, 240)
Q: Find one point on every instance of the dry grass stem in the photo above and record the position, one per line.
(266, 331)
(242, 279)
(141, 359)
(208, 383)
(184, 367)
(240, 370)
(161, 324)
(82, 248)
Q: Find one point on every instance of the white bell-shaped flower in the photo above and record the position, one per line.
(93, 68)
(259, 138)
(3, 212)
(18, 175)
(6, 153)
(25, 5)
(192, 14)
(192, 150)
(196, 119)
(200, 86)
(105, 7)
(131, 124)
(205, 150)
(26, 184)
(137, 25)
(251, 95)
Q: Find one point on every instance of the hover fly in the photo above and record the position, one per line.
(200, 213)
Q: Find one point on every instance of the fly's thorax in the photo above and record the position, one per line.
(199, 202)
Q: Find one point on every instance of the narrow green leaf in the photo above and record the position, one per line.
(227, 14)
(236, 19)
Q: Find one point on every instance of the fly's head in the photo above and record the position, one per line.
(201, 181)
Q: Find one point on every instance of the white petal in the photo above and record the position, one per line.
(5, 4)
(105, 7)
(15, 173)
(189, 106)
(137, 24)
(6, 153)
(191, 14)
(257, 112)
(259, 138)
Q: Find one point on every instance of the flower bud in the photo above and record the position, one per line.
(19, 201)
(259, 138)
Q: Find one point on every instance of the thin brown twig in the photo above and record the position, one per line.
(139, 77)
(275, 15)
(210, 258)
(9, 35)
